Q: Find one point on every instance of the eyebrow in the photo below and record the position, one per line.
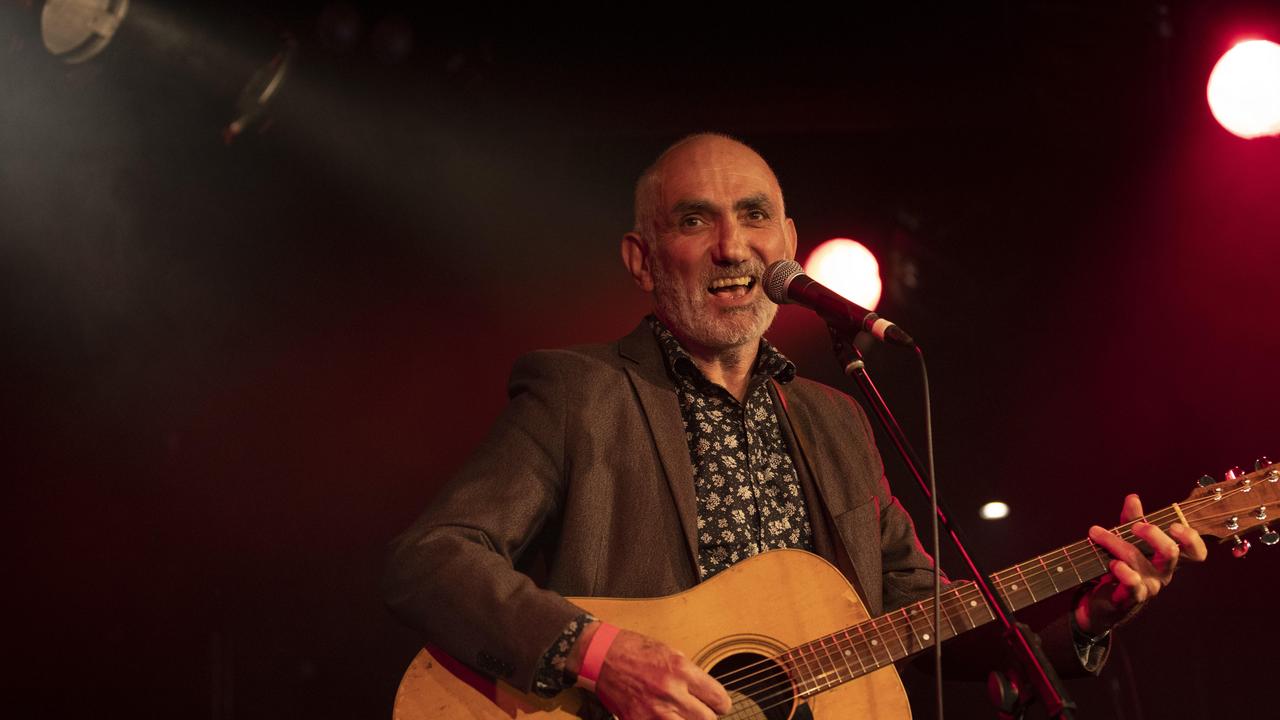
(757, 201)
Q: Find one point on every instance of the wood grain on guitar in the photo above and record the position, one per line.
(785, 653)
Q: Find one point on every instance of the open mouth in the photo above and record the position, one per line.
(732, 286)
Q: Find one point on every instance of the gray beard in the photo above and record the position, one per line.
(691, 316)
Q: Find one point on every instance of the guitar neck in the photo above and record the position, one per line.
(868, 646)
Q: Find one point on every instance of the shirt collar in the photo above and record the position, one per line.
(769, 362)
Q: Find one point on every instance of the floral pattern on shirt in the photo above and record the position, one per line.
(749, 496)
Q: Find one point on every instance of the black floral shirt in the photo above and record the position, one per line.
(749, 497)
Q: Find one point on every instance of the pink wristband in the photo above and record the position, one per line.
(599, 647)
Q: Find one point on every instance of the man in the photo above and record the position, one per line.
(641, 468)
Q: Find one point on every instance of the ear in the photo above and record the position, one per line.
(790, 231)
(635, 255)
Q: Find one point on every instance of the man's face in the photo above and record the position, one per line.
(719, 223)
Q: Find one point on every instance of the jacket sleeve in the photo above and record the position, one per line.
(452, 575)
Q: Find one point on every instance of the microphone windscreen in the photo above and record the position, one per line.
(777, 277)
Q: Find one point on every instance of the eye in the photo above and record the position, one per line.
(757, 215)
(692, 221)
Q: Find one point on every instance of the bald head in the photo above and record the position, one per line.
(689, 154)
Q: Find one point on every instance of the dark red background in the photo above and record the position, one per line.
(230, 374)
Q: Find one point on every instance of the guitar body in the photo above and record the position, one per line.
(755, 610)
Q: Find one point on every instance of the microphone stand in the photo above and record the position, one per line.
(1025, 645)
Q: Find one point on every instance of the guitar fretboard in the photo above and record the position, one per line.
(868, 646)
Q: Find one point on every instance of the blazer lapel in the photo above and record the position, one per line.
(662, 411)
(798, 424)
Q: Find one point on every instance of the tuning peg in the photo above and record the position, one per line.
(1269, 536)
(1233, 524)
(1264, 463)
(1240, 548)
(1205, 481)
(1261, 512)
(1246, 482)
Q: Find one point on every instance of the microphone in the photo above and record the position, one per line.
(785, 282)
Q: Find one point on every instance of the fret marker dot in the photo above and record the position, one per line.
(1013, 586)
(1059, 568)
(875, 642)
(847, 653)
(924, 636)
(973, 603)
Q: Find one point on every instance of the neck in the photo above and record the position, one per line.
(729, 367)
(730, 370)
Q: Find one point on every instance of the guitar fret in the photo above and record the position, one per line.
(788, 661)
(1025, 582)
(888, 620)
(831, 671)
(946, 613)
(953, 610)
(842, 654)
(813, 663)
(851, 650)
(924, 638)
(1100, 558)
(909, 635)
(1066, 555)
(878, 644)
(819, 670)
(975, 603)
(1044, 567)
(1013, 587)
(863, 648)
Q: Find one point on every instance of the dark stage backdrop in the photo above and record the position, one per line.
(230, 374)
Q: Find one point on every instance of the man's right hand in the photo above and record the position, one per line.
(642, 678)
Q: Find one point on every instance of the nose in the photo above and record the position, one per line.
(731, 246)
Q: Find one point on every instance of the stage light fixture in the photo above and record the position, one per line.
(1244, 89)
(995, 510)
(261, 90)
(849, 268)
(76, 30)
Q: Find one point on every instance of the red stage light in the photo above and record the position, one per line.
(847, 267)
(1244, 89)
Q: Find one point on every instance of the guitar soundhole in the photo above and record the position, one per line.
(760, 688)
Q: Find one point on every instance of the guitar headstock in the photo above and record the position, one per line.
(1228, 509)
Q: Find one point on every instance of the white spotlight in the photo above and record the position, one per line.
(994, 511)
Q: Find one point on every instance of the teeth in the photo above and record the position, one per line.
(727, 282)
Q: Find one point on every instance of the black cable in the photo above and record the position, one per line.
(933, 525)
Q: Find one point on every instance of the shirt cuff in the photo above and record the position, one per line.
(551, 677)
(1092, 650)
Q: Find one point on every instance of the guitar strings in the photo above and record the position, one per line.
(899, 623)
(821, 648)
(783, 689)
(1086, 547)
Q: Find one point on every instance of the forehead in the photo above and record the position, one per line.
(719, 172)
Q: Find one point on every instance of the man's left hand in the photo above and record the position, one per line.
(1134, 579)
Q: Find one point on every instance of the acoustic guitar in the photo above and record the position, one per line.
(816, 653)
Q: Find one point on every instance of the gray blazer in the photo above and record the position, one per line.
(585, 483)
